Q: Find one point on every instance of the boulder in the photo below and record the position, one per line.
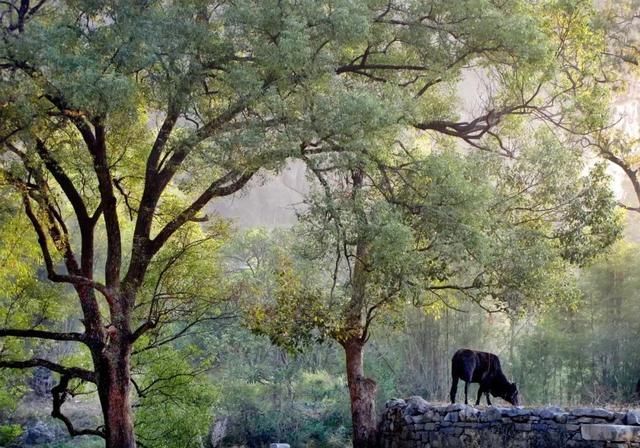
(492, 414)
(395, 402)
(593, 413)
(39, 433)
(611, 433)
(455, 407)
(550, 412)
(633, 417)
(469, 414)
(515, 412)
(451, 417)
(416, 405)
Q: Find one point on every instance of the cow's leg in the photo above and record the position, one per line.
(466, 392)
(454, 389)
(488, 400)
(480, 390)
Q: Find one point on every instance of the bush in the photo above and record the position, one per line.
(9, 433)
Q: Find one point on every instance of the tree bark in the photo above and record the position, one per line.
(362, 392)
(113, 375)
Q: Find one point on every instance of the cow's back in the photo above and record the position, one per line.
(474, 366)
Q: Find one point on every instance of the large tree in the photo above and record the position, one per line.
(148, 110)
(444, 229)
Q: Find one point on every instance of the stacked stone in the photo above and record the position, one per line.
(415, 423)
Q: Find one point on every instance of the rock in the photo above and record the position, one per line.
(593, 413)
(492, 414)
(560, 418)
(38, 434)
(619, 418)
(633, 417)
(279, 445)
(522, 426)
(549, 413)
(451, 417)
(452, 430)
(395, 402)
(469, 414)
(431, 416)
(515, 412)
(611, 433)
(416, 405)
(418, 418)
(455, 407)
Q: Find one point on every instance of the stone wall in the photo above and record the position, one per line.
(414, 423)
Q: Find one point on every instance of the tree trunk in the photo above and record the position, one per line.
(114, 379)
(362, 392)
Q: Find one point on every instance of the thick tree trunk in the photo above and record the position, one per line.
(114, 379)
(362, 392)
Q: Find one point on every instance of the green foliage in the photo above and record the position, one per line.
(175, 409)
(9, 433)
(77, 442)
(316, 417)
(603, 366)
(269, 395)
(443, 228)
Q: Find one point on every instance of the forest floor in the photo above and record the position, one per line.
(42, 430)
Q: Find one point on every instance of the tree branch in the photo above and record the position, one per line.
(48, 261)
(109, 207)
(159, 173)
(40, 334)
(59, 394)
(64, 181)
(85, 222)
(223, 186)
(75, 372)
(468, 130)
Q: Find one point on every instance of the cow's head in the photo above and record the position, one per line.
(511, 394)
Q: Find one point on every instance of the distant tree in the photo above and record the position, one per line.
(601, 369)
(616, 66)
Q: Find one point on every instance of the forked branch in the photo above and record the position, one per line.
(59, 394)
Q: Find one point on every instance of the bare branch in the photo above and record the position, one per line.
(75, 372)
(40, 334)
(59, 394)
(223, 186)
(48, 260)
(86, 223)
(109, 204)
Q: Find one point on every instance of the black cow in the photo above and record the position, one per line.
(480, 367)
